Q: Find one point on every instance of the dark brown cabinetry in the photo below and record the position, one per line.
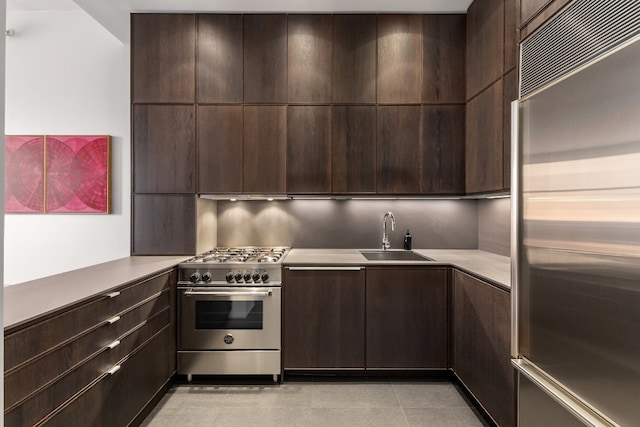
(481, 345)
(398, 145)
(323, 319)
(443, 59)
(309, 149)
(265, 59)
(534, 13)
(164, 146)
(163, 224)
(220, 149)
(406, 313)
(484, 141)
(442, 149)
(485, 44)
(354, 59)
(220, 60)
(54, 363)
(399, 59)
(310, 49)
(353, 149)
(265, 130)
(163, 58)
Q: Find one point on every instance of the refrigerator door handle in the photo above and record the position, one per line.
(515, 213)
(580, 409)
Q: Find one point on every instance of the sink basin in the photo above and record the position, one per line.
(391, 255)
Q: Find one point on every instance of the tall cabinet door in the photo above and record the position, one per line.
(164, 145)
(220, 149)
(264, 166)
(163, 57)
(265, 59)
(220, 60)
(398, 148)
(309, 149)
(353, 149)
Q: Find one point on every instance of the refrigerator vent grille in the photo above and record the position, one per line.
(582, 31)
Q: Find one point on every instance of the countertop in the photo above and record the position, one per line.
(25, 301)
(484, 265)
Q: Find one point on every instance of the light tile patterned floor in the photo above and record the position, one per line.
(319, 402)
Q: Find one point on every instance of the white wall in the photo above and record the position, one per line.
(65, 74)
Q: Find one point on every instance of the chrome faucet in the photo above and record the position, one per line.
(385, 240)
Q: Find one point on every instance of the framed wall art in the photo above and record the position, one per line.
(58, 174)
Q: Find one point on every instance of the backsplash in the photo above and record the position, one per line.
(494, 229)
(441, 224)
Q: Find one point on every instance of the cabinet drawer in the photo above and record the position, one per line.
(57, 393)
(30, 377)
(116, 399)
(21, 346)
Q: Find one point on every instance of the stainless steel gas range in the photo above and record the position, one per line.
(229, 303)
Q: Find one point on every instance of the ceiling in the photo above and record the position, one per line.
(114, 14)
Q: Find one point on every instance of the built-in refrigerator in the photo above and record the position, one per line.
(576, 219)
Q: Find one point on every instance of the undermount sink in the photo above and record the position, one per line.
(393, 255)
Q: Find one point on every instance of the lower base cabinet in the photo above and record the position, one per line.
(323, 318)
(481, 346)
(406, 313)
(117, 397)
(373, 318)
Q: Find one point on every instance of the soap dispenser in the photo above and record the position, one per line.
(407, 240)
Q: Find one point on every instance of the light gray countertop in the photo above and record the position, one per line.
(484, 265)
(28, 300)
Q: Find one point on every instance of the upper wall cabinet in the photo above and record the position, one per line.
(353, 149)
(354, 59)
(220, 153)
(399, 59)
(398, 144)
(442, 149)
(309, 149)
(310, 48)
(443, 59)
(265, 133)
(163, 58)
(485, 44)
(220, 61)
(265, 59)
(164, 145)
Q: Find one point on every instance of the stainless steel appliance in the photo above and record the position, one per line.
(576, 207)
(229, 310)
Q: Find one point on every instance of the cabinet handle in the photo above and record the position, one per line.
(114, 370)
(113, 344)
(325, 268)
(113, 320)
(113, 294)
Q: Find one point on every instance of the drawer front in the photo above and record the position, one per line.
(116, 399)
(27, 379)
(28, 343)
(48, 399)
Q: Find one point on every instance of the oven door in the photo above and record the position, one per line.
(229, 318)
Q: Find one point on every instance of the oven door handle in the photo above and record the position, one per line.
(267, 293)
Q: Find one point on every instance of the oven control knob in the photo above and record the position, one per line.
(238, 277)
(247, 277)
(206, 277)
(229, 277)
(228, 339)
(256, 277)
(195, 277)
(265, 277)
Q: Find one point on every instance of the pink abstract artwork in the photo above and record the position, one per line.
(57, 174)
(24, 174)
(77, 174)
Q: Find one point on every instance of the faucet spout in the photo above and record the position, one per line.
(385, 239)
